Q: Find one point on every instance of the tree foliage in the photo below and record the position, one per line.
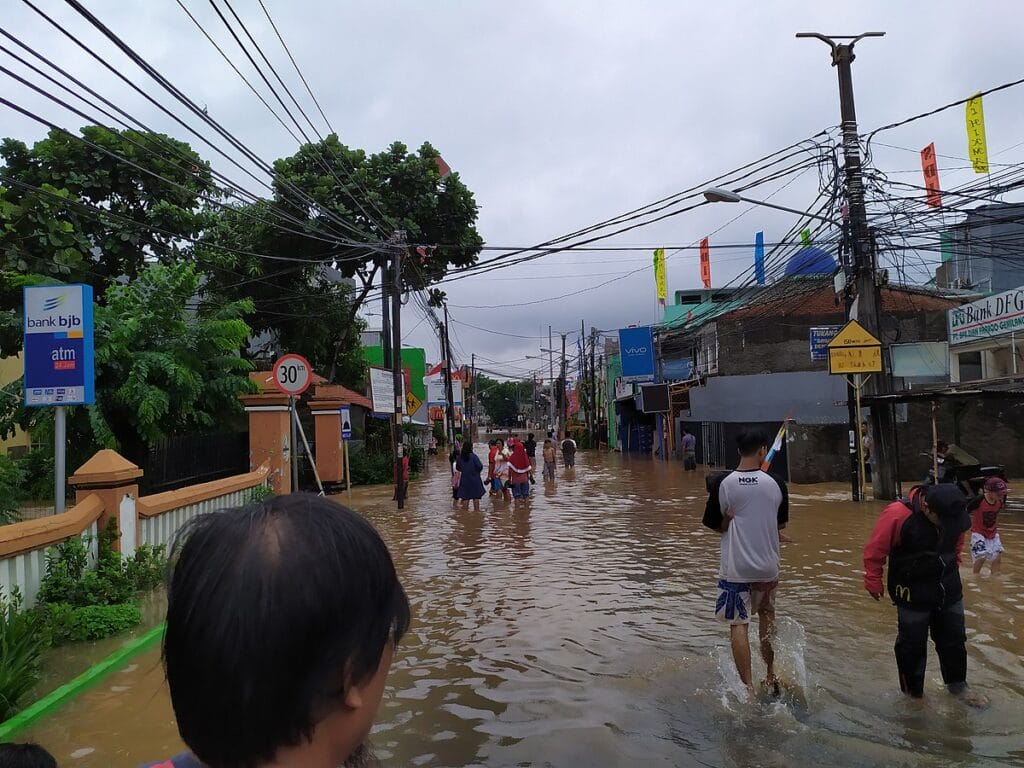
(502, 399)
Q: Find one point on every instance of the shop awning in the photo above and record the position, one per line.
(1009, 388)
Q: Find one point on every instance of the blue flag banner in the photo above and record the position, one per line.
(759, 258)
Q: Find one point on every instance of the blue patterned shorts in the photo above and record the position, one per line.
(738, 602)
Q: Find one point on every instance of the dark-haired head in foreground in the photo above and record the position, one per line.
(282, 619)
(25, 756)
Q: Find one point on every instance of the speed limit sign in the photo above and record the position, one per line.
(292, 374)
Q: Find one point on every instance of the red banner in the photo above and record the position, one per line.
(705, 263)
(930, 166)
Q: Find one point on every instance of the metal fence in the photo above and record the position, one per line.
(192, 459)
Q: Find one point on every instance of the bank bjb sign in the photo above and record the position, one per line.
(636, 350)
(995, 315)
(59, 345)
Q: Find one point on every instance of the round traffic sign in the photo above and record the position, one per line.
(292, 374)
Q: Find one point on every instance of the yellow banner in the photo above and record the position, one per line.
(659, 274)
(976, 145)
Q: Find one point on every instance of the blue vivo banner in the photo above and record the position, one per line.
(636, 348)
(759, 258)
(58, 354)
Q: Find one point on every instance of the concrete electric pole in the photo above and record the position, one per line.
(869, 297)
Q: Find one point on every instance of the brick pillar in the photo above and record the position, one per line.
(324, 405)
(269, 433)
(111, 477)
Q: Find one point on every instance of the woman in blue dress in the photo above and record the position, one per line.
(469, 466)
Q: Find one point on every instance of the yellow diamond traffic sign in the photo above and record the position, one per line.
(412, 403)
(854, 350)
(853, 334)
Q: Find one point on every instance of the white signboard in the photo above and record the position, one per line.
(435, 392)
(623, 388)
(382, 390)
(457, 393)
(997, 315)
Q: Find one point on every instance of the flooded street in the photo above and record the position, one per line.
(578, 630)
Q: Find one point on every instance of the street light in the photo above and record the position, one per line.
(719, 195)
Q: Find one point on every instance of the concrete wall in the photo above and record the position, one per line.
(810, 397)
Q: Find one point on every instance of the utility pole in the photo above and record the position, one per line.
(593, 390)
(449, 394)
(551, 382)
(396, 364)
(561, 395)
(472, 383)
(869, 297)
(385, 309)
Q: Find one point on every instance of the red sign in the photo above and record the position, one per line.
(930, 166)
(705, 263)
(292, 374)
(435, 412)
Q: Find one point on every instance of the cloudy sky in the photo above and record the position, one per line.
(562, 114)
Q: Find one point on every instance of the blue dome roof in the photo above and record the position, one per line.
(811, 261)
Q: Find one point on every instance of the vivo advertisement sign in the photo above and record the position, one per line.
(636, 348)
(58, 345)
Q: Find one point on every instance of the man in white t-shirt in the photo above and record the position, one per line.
(749, 508)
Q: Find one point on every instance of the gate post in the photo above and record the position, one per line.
(115, 480)
(269, 431)
(325, 406)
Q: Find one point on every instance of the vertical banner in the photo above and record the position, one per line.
(759, 258)
(805, 237)
(976, 145)
(930, 166)
(705, 263)
(659, 276)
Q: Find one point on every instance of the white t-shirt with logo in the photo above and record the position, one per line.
(760, 506)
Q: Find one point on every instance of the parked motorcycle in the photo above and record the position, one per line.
(968, 477)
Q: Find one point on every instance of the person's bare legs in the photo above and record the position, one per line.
(997, 562)
(476, 505)
(978, 564)
(766, 632)
(740, 641)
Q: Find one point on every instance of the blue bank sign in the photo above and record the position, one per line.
(59, 345)
(636, 348)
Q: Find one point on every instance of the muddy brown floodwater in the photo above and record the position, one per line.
(578, 630)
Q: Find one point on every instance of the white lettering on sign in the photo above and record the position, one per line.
(636, 350)
(995, 315)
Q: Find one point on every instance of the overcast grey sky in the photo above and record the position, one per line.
(561, 114)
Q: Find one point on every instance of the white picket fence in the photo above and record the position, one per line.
(161, 529)
(25, 571)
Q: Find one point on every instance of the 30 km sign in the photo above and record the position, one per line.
(292, 374)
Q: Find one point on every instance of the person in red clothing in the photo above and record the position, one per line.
(985, 508)
(922, 537)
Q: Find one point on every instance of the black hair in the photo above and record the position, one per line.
(750, 441)
(941, 446)
(273, 611)
(467, 450)
(25, 756)
(529, 436)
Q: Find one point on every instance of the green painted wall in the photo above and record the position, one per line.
(413, 358)
(614, 370)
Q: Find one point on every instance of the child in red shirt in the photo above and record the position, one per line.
(985, 509)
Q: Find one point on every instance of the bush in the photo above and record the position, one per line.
(65, 623)
(37, 466)
(12, 483)
(22, 643)
(259, 494)
(147, 569)
(371, 468)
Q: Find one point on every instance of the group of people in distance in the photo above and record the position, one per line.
(920, 539)
(511, 468)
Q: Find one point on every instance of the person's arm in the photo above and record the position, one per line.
(885, 536)
(783, 514)
(714, 517)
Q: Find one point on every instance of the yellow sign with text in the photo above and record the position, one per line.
(853, 334)
(843, 360)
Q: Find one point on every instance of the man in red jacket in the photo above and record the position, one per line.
(922, 538)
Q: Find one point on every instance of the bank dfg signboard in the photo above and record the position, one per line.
(59, 360)
(1002, 313)
(636, 348)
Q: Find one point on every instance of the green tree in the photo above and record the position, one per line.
(374, 195)
(167, 364)
(73, 211)
(502, 399)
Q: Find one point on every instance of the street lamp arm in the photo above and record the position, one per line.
(717, 195)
